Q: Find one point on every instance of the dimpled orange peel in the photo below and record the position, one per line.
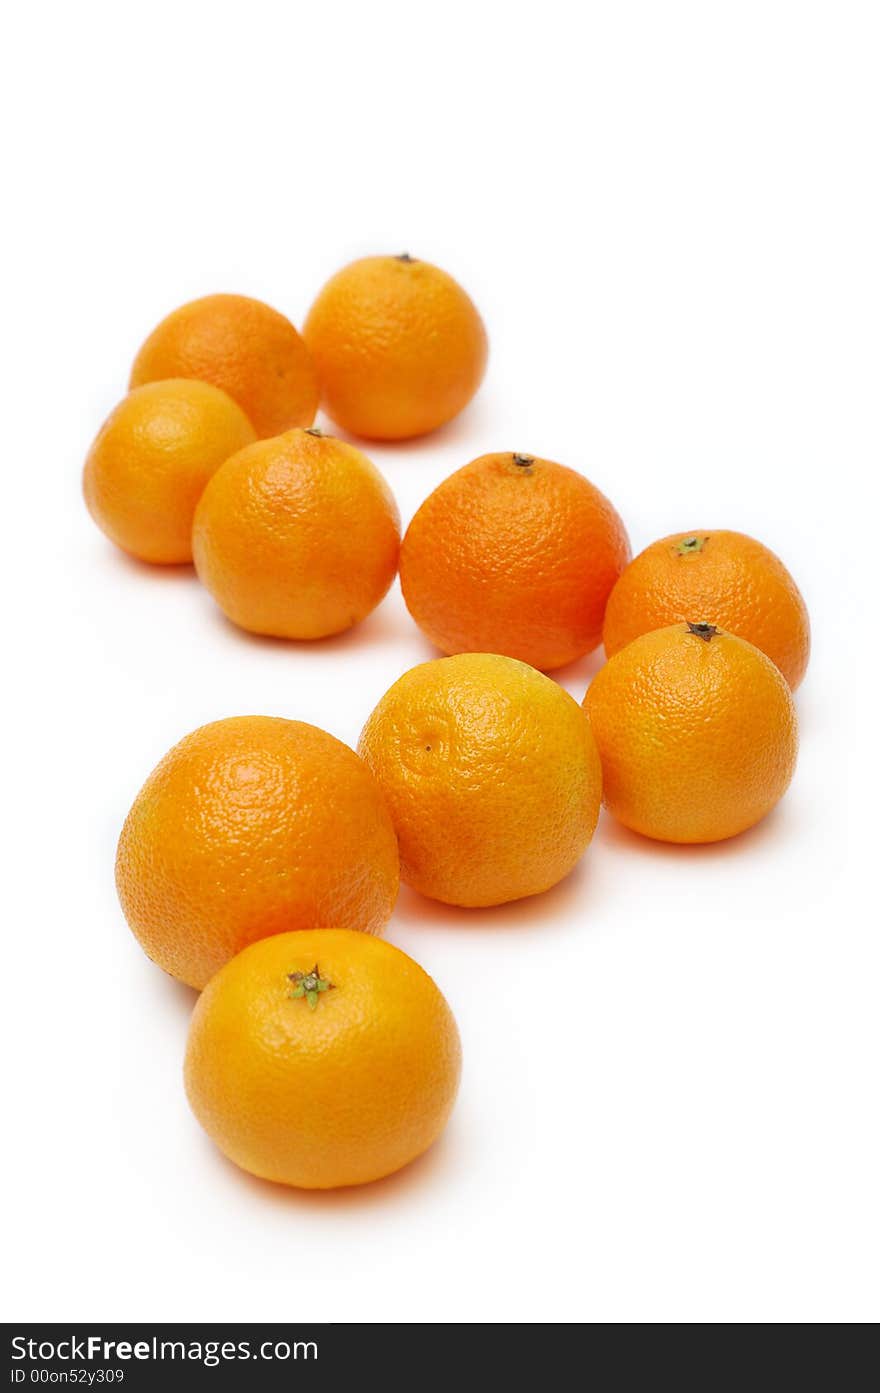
(513, 554)
(251, 826)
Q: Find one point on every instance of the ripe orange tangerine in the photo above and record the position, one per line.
(297, 536)
(243, 346)
(491, 774)
(251, 826)
(696, 731)
(728, 579)
(322, 1058)
(516, 555)
(399, 347)
(151, 460)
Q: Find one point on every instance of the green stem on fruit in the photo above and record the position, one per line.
(309, 984)
(703, 631)
(691, 544)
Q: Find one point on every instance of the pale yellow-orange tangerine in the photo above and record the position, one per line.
(491, 775)
(151, 460)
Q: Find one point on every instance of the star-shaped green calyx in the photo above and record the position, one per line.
(308, 984)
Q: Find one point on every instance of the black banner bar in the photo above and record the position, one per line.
(107, 1356)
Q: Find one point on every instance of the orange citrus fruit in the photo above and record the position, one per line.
(151, 460)
(491, 774)
(297, 536)
(513, 555)
(399, 347)
(249, 827)
(322, 1058)
(697, 733)
(243, 346)
(727, 579)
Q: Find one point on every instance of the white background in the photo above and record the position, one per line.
(668, 216)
